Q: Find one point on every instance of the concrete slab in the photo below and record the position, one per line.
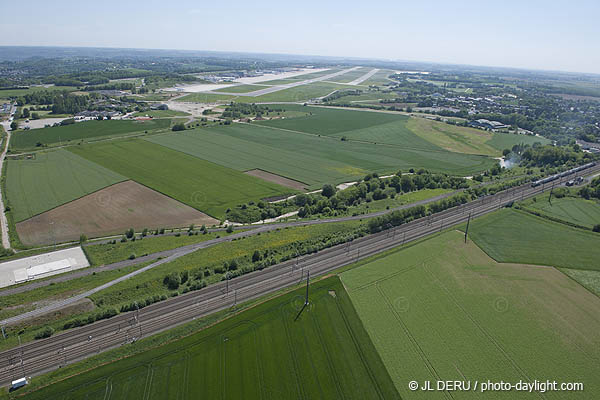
(41, 266)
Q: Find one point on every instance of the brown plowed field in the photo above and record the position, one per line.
(281, 180)
(111, 210)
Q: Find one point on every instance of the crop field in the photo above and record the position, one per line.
(226, 147)
(325, 353)
(83, 130)
(206, 186)
(241, 88)
(206, 98)
(575, 210)
(109, 211)
(314, 159)
(5, 94)
(516, 236)
(444, 310)
(331, 121)
(51, 179)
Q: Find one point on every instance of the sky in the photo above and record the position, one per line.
(532, 34)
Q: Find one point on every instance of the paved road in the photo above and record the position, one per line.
(277, 88)
(48, 354)
(3, 222)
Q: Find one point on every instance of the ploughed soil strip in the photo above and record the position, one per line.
(111, 210)
(281, 180)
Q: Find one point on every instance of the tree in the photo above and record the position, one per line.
(25, 113)
(178, 127)
(256, 256)
(129, 233)
(229, 228)
(596, 228)
(83, 238)
(505, 152)
(172, 281)
(14, 126)
(328, 190)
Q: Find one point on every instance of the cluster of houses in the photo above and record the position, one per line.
(96, 114)
(487, 124)
(5, 108)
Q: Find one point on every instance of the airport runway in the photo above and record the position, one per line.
(277, 88)
(45, 355)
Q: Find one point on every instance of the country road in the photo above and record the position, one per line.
(40, 356)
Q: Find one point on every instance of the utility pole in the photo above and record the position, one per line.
(467, 230)
(307, 282)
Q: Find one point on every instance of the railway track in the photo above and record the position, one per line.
(45, 355)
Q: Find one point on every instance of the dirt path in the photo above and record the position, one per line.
(3, 221)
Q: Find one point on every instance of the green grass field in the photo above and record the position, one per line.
(443, 310)
(503, 141)
(277, 242)
(516, 236)
(206, 186)
(379, 78)
(350, 76)
(107, 253)
(468, 140)
(570, 209)
(262, 353)
(298, 93)
(83, 130)
(241, 88)
(206, 98)
(161, 113)
(51, 179)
